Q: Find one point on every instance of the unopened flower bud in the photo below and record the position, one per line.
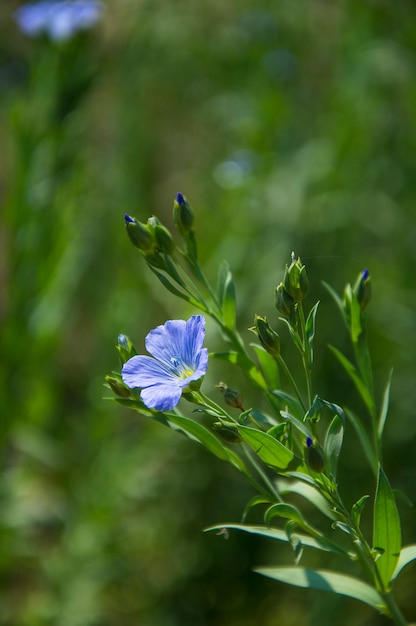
(164, 241)
(296, 280)
(283, 301)
(125, 348)
(362, 289)
(139, 234)
(269, 338)
(182, 215)
(314, 457)
(117, 386)
(232, 397)
(228, 433)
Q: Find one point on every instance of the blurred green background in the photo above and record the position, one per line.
(289, 126)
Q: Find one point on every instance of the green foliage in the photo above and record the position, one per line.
(291, 127)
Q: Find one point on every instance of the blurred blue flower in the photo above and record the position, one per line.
(61, 20)
(178, 359)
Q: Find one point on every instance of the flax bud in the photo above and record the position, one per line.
(269, 338)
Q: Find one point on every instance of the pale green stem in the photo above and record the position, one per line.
(291, 380)
(305, 359)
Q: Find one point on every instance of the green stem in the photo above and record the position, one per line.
(306, 361)
(394, 610)
(271, 488)
(291, 380)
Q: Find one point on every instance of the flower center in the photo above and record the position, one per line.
(180, 368)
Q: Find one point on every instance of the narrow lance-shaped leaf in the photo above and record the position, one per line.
(353, 374)
(310, 327)
(407, 555)
(248, 367)
(325, 581)
(386, 529)
(309, 493)
(282, 509)
(272, 452)
(276, 534)
(358, 508)
(364, 440)
(229, 308)
(333, 444)
(196, 431)
(385, 406)
(268, 365)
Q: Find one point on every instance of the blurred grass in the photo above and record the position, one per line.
(288, 126)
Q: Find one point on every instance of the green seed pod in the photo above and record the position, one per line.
(232, 397)
(296, 280)
(314, 457)
(283, 301)
(164, 240)
(228, 433)
(269, 338)
(117, 387)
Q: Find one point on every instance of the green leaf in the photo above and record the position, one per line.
(325, 581)
(198, 432)
(337, 299)
(227, 298)
(353, 374)
(289, 401)
(333, 444)
(295, 542)
(309, 493)
(407, 555)
(223, 271)
(281, 509)
(310, 327)
(272, 452)
(254, 502)
(239, 359)
(358, 508)
(274, 533)
(384, 406)
(386, 528)
(302, 427)
(268, 365)
(364, 440)
(176, 292)
(293, 334)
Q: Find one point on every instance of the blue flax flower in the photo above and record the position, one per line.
(58, 19)
(178, 360)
